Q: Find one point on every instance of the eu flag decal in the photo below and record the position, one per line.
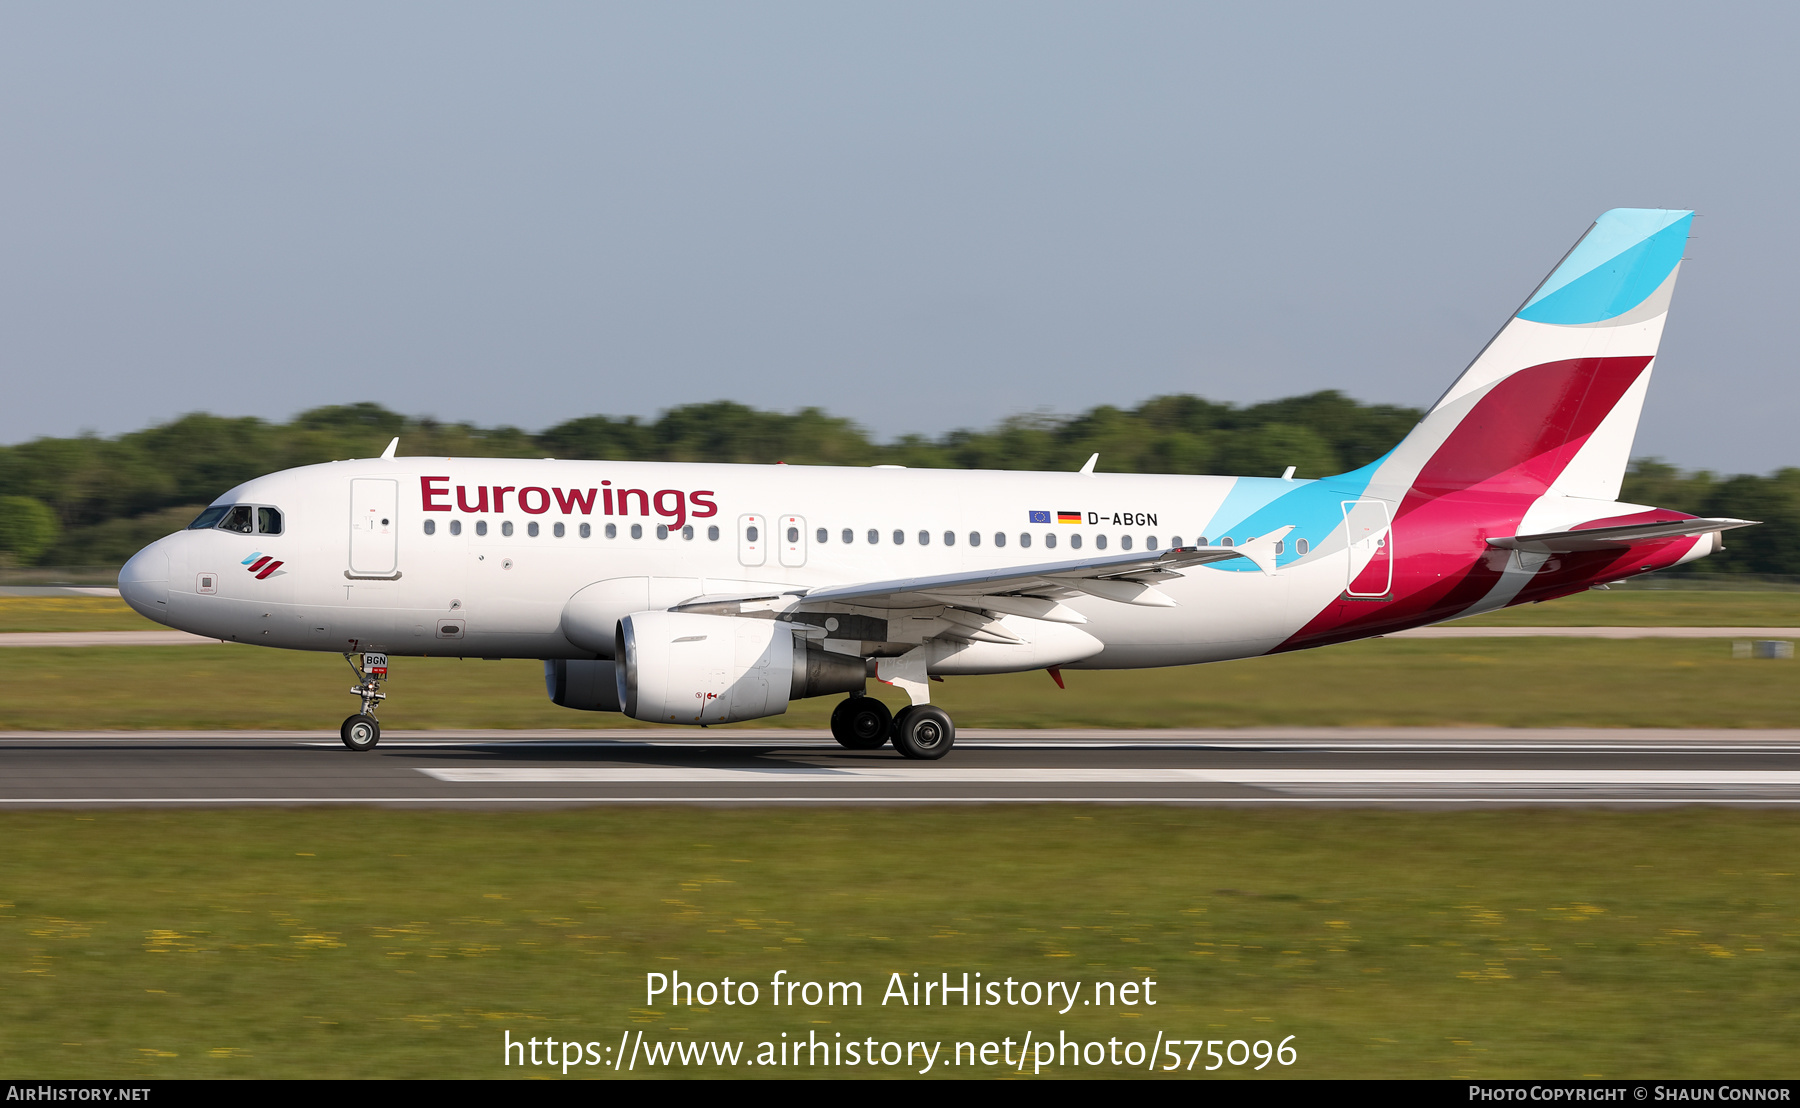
(1039, 517)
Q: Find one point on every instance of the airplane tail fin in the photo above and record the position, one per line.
(1552, 402)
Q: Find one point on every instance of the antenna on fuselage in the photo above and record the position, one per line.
(388, 454)
(1089, 467)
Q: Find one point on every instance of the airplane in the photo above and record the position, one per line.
(704, 594)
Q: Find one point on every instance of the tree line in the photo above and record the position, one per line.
(94, 501)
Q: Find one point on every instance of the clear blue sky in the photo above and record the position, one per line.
(917, 215)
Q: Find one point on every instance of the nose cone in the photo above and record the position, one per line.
(144, 582)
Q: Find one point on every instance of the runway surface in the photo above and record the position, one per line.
(182, 638)
(1278, 766)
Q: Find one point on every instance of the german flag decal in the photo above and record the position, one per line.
(1068, 517)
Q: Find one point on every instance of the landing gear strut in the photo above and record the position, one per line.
(920, 731)
(361, 731)
(861, 723)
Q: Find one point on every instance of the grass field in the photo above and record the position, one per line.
(1653, 608)
(1381, 683)
(368, 943)
(1615, 608)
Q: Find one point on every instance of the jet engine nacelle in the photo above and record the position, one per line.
(682, 667)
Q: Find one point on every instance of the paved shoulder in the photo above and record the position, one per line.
(103, 638)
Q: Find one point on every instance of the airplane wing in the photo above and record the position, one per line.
(1616, 538)
(1033, 590)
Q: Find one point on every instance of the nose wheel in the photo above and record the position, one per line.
(362, 731)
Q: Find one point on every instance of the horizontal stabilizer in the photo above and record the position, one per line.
(1616, 538)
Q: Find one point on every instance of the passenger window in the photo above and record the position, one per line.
(612, 530)
(559, 530)
(1074, 542)
(1281, 546)
(531, 529)
(481, 527)
(899, 538)
(712, 534)
(1300, 546)
(1150, 543)
(637, 530)
(1050, 540)
(999, 538)
(848, 536)
(209, 518)
(1226, 541)
(506, 528)
(874, 536)
(1099, 542)
(1024, 538)
(237, 519)
(587, 531)
(456, 527)
(431, 527)
(822, 536)
(687, 532)
(662, 531)
(974, 538)
(924, 538)
(268, 521)
(950, 538)
(1124, 542)
(751, 534)
(793, 534)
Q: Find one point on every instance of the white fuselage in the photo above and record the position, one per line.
(348, 581)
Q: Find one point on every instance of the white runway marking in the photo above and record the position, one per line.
(952, 775)
(1719, 747)
(1375, 801)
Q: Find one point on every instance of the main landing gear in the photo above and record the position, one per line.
(861, 723)
(919, 731)
(923, 732)
(361, 731)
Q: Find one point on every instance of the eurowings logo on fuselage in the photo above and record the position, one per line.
(262, 565)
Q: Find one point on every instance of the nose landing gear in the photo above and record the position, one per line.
(361, 731)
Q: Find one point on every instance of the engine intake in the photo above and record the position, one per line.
(684, 667)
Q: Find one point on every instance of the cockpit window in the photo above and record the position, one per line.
(268, 521)
(237, 519)
(208, 518)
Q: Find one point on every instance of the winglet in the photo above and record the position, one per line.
(388, 454)
(1088, 468)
